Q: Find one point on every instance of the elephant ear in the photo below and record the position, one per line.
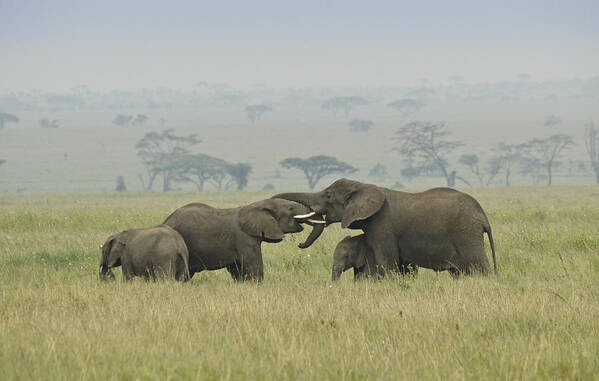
(107, 246)
(259, 222)
(361, 204)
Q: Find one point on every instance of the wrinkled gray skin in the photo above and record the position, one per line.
(232, 238)
(350, 252)
(440, 229)
(151, 253)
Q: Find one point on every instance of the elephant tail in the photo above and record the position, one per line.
(185, 274)
(487, 229)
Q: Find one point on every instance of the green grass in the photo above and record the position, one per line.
(539, 319)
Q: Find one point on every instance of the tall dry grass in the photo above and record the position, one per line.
(539, 319)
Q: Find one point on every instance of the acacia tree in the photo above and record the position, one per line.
(360, 125)
(139, 120)
(255, 112)
(591, 142)
(239, 174)
(547, 150)
(533, 167)
(345, 104)
(6, 118)
(201, 168)
(424, 145)
(471, 161)
(316, 167)
(47, 123)
(406, 106)
(507, 157)
(159, 152)
(122, 120)
(491, 169)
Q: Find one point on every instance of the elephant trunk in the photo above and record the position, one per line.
(337, 271)
(308, 199)
(317, 229)
(105, 272)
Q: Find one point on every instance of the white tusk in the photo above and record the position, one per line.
(300, 216)
(100, 269)
(316, 221)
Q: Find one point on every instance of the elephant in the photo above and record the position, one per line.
(440, 229)
(350, 252)
(152, 253)
(232, 238)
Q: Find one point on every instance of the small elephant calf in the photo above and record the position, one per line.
(152, 253)
(351, 252)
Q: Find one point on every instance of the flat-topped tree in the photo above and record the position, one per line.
(160, 152)
(547, 150)
(491, 169)
(122, 120)
(47, 123)
(255, 112)
(508, 155)
(591, 141)
(201, 168)
(360, 125)
(139, 120)
(406, 106)
(6, 118)
(345, 104)
(239, 174)
(316, 167)
(424, 144)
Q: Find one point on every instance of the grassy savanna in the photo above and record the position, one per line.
(539, 319)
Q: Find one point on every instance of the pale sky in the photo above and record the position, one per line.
(54, 45)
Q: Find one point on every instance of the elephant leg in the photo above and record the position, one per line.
(235, 271)
(384, 252)
(360, 273)
(127, 273)
(250, 260)
(471, 258)
(253, 270)
(408, 269)
(455, 273)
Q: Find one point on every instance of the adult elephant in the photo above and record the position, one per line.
(232, 238)
(440, 229)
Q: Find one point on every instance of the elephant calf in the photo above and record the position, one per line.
(352, 252)
(156, 252)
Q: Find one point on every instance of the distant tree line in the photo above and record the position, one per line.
(426, 147)
(317, 167)
(129, 120)
(167, 156)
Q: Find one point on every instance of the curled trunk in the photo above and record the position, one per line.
(310, 200)
(317, 230)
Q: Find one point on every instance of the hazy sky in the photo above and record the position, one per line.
(54, 45)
